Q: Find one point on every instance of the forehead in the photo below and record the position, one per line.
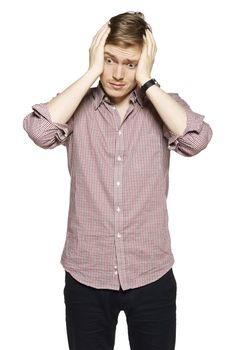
(120, 53)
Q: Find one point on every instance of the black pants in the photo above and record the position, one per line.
(92, 315)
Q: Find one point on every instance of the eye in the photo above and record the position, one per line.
(108, 60)
(131, 65)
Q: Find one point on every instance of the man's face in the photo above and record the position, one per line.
(118, 76)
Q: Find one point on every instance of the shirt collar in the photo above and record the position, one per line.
(99, 95)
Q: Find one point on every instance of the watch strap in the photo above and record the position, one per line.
(149, 83)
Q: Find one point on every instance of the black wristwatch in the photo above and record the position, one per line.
(149, 83)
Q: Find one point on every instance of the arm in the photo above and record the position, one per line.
(172, 113)
(62, 107)
(196, 135)
(51, 123)
(184, 129)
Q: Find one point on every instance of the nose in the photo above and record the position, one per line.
(118, 72)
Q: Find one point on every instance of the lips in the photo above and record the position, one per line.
(118, 85)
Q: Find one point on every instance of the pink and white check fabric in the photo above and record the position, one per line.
(117, 228)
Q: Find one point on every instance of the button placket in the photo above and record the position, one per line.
(118, 205)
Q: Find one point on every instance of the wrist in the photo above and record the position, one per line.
(148, 84)
(93, 72)
(143, 80)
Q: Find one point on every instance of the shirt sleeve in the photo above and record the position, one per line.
(196, 135)
(43, 131)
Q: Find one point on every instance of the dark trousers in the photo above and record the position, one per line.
(92, 315)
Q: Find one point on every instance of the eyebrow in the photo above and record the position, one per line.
(126, 60)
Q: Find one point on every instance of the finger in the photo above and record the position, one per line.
(102, 37)
(145, 40)
(100, 31)
(148, 43)
(151, 46)
(144, 47)
(103, 27)
(96, 41)
(152, 40)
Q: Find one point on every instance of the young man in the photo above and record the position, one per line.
(117, 254)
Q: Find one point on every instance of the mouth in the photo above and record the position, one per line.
(116, 86)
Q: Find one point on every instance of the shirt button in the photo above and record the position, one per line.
(116, 272)
(119, 158)
(118, 235)
(117, 183)
(115, 267)
(118, 209)
(120, 132)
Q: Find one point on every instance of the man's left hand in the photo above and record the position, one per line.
(146, 61)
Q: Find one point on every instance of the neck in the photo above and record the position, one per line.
(120, 102)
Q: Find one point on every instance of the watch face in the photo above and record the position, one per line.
(155, 82)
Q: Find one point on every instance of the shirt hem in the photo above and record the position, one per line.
(141, 282)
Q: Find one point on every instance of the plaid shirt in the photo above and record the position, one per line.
(117, 228)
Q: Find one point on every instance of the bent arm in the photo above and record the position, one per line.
(196, 135)
(62, 107)
(51, 123)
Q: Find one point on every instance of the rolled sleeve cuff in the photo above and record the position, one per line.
(194, 123)
(63, 130)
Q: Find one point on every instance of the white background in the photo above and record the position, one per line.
(44, 48)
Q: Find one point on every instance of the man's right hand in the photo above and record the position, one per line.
(96, 50)
(63, 106)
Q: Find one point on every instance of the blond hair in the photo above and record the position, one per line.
(127, 29)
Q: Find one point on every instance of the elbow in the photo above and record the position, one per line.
(43, 143)
(39, 136)
(204, 140)
(193, 143)
(198, 143)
